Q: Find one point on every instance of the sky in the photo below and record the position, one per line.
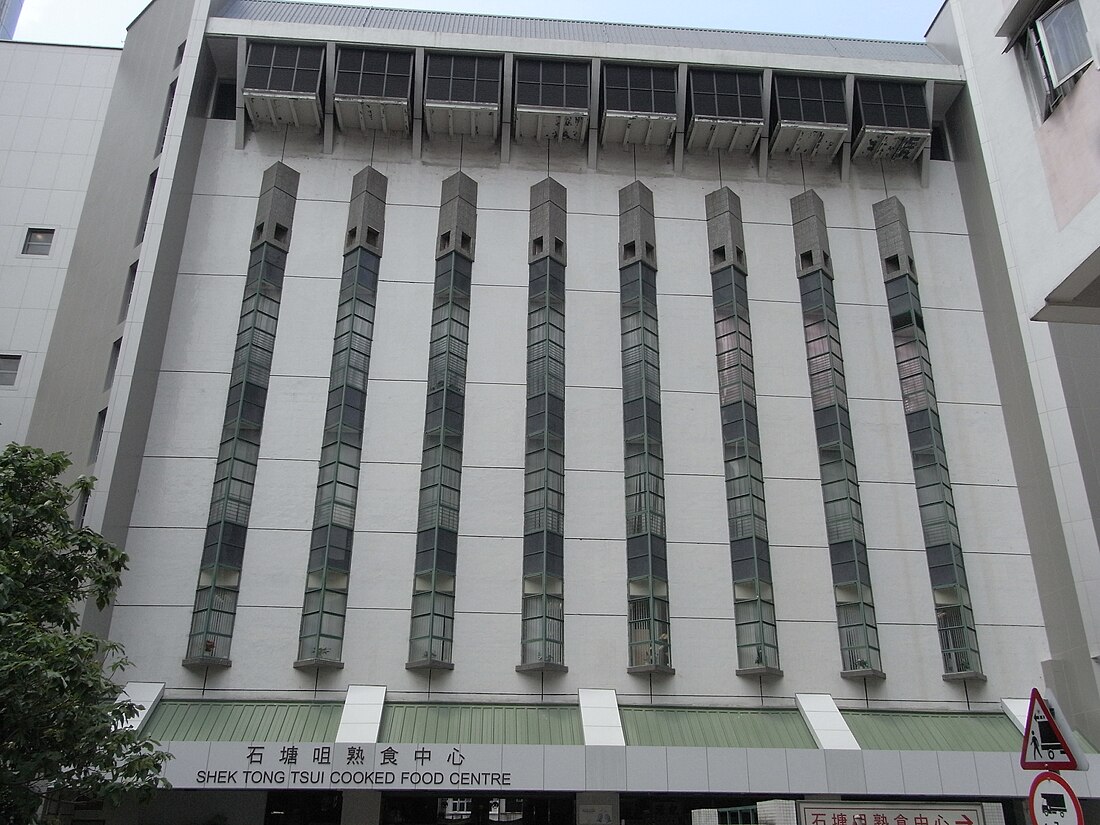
(104, 22)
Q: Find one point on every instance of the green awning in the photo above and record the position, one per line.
(481, 724)
(901, 731)
(716, 728)
(213, 721)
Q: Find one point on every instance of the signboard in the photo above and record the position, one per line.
(1052, 800)
(1045, 747)
(888, 813)
(268, 765)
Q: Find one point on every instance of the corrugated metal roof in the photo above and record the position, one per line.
(175, 721)
(482, 724)
(897, 731)
(618, 33)
(715, 728)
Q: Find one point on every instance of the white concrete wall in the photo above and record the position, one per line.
(52, 103)
(1043, 179)
(169, 515)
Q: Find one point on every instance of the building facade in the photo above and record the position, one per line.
(521, 420)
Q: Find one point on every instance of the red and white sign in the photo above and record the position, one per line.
(888, 813)
(1052, 800)
(1045, 747)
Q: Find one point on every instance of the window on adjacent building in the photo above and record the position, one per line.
(163, 134)
(128, 292)
(552, 83)
(9, 368)
(1055, 48)
(112, 364)
(97, 435)
(1063, 39)
(146, 206)
(38, 242)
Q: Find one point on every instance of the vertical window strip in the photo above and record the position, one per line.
(648, 613)
(542, 645)
(321, 637)
(218, 586)
(754, 604)
(958, 636)
(431, 632)
(855, 605)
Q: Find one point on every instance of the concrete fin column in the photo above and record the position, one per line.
(956, 631)
(431, 632)
(324, 608)
(648, 612)
(215, 609)
(851, 573)
(750, 557)
(542, 645)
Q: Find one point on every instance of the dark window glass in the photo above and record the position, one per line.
(464, 67)
(437, 88)
(615, 76)
(577, 96)
(260, 54)
(527, 71)
(618, 100)
(395, 85)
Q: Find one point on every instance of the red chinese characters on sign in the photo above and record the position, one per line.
(854, 813)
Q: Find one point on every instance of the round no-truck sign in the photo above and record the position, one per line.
(1053, 802)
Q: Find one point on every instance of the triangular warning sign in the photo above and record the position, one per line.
(1045, 748)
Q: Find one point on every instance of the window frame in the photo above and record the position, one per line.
(30, 243)
(17, 359)
(1057, 80)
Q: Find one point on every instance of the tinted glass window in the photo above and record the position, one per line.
(463, 79)
(370, 73)
(284, 68)
(640, 89)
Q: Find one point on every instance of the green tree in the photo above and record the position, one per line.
(61, 727)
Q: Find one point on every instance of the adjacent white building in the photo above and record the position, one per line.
(511, 419)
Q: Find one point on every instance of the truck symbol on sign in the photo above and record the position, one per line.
(1054, 803)
(1047, 740)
